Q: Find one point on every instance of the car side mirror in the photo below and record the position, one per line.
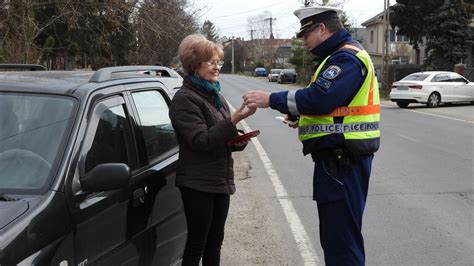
(105, 177)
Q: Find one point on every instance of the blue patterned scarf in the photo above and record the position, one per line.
(212, 88)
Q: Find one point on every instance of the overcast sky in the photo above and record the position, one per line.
(230, 16)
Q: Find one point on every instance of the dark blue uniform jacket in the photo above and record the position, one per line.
(329, 91)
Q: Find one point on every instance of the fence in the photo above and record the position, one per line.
(395, 73)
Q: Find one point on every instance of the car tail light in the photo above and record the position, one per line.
(419, 87)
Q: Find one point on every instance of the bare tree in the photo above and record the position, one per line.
(44, 31)
(93, 33)
(258, 27)
(160, 27)
(20, 29)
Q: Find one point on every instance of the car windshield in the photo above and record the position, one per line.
(275, 71)
(32, 128)
(289, 71)
(416, 77)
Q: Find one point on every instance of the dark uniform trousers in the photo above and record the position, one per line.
(340, 189)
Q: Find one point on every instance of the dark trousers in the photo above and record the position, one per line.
(206, 214)
(341, 193)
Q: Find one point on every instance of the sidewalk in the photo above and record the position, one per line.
(256, 230)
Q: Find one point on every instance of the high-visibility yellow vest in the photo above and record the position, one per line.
(360, 126)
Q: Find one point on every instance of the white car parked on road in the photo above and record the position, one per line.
(432, 88)
(273, 74)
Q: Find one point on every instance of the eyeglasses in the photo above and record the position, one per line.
(311, 29)
(215, 63)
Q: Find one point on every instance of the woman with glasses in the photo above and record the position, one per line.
(203, 124)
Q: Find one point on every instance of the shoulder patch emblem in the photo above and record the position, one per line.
(323, 83)
(332, 72)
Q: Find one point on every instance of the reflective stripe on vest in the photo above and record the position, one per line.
(354, 110)
(360, 118)
(338, 128)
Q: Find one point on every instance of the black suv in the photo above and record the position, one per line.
(87, 168)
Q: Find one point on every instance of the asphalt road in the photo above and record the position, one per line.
(420, 208)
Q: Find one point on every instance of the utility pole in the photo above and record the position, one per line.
(232, 54)
(271, 23)
(272, 53)
(383, 42)
(385, 54)
(253, 45)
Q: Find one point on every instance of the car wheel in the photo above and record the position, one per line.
(402, 104)
(433, 100)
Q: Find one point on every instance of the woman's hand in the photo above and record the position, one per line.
(242, 113)
(240, 146)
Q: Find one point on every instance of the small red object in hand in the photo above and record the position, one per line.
(244, 137)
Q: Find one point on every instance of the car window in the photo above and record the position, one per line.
(161, 73)
(441, 78)
(416, 77)
(453, 77)
(109, 144)
(155, 125)
(32, 129)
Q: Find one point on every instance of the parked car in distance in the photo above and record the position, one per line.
(273, 75)
(87, 168)
(432, 88)
(287, 75)
(260, 72)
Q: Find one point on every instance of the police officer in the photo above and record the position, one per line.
(338, 125)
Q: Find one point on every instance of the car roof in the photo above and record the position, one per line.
(69, 82)
(433, 72)
(61, 82)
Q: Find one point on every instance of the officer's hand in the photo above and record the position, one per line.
(257, 98)
(294, 123)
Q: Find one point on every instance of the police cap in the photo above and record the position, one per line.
(310, 16)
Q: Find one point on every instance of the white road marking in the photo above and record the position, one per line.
(403, 136)
(423, 113)
(303, 242)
